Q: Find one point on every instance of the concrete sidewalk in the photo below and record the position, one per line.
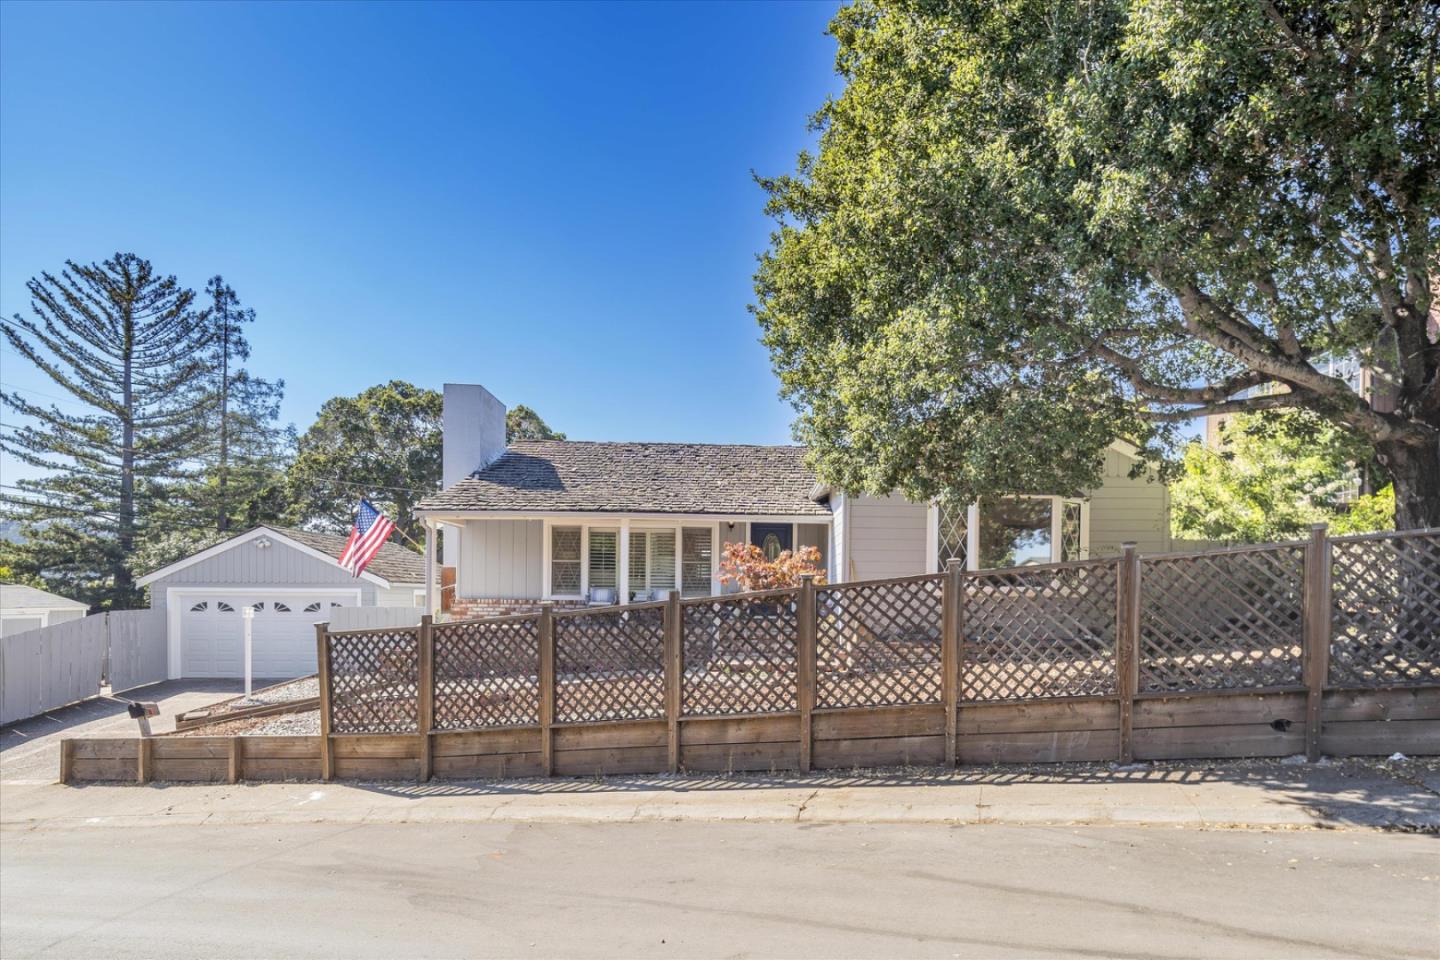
(1243, 794)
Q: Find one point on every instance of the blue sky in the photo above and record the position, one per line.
(552, 200)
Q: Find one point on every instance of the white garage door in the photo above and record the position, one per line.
(212, 633)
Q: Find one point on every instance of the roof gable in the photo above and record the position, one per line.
(393, 564)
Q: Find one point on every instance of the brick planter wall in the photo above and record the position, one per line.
(477, 608)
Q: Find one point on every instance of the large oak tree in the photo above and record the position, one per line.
(1033, 227)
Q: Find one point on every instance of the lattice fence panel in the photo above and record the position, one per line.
(1386, 599)
(879, 643)
(375, 681)
(740, 655)
(1040, 634)
(610, 665)
(487, 673)
(1221, 621)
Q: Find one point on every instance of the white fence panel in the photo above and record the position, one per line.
(50, 667)
(371, 618)
(137, 648)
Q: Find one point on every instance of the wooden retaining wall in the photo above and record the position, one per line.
(1353, 722)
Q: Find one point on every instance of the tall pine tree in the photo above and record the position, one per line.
(128, 346)
(250, 448)
(240, 481)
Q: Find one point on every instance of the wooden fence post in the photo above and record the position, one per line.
(952, 629)
(805, 666)
(547, 689)
(234, 760)
(425, 709)
(1317, 627)
(67, 759)
(1127, 644)
(145, 760)
(674, 670)
(322, 672)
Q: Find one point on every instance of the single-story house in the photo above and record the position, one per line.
(290, 578)
(26, 608)
(577, 522)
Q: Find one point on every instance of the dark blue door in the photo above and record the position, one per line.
(773, 538)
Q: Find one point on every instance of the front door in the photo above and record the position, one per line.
(773, 538)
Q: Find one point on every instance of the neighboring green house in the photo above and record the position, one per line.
(572, 521)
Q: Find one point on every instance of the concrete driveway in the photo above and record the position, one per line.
(30, 749)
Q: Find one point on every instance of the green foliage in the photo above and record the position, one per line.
(1032, 228)
(241, 481)
(384, 444)
(522, 423)
(1270, 478)
(126, 345)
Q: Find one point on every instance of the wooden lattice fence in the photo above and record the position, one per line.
(1112, 658)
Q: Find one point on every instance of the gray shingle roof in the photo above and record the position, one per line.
(583, 476)
(14, 596)
(394, 562)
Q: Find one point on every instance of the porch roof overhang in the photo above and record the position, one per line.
(614, 516)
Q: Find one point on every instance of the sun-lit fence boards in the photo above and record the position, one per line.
(487, 673)
(1222, 620)
(609, 664)
(1386, 597)
(1040, 633)
(1331, 645)
(878, 643)
(739, 654)
(374, 680)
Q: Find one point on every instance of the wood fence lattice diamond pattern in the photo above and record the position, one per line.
(1386, 605)
(740, 656)
(610, 665)
(487, 673)
(1222, 621)
(1040, 634)
(375, 681)
(879, 644)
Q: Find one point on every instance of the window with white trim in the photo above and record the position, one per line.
(1025, 531)
(696, 556)
(953, 533)
(565, 561)
(604, 562)
(652, 562)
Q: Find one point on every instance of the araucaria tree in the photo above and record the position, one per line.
(1034, 227)
(249, 448)
(126, 346)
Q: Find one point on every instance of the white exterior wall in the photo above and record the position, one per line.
(400, 595)
(1128, 510)
(246, 565)
(884, 537)
(500, 560)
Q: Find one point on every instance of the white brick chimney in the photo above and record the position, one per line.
(474, 431)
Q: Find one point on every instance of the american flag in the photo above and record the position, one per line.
(372, 529)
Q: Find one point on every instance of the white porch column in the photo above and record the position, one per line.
(972, 536)
(622, 577)
(431, 598)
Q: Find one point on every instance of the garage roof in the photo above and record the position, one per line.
(15, 596)
(394, 564)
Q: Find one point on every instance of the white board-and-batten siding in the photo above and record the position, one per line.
(884, 537)
(1127, 509)
(501, 560)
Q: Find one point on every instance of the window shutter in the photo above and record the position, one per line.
(695, 555)
(603, 553)
(662, 559)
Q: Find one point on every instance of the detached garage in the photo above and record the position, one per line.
(290, 579)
